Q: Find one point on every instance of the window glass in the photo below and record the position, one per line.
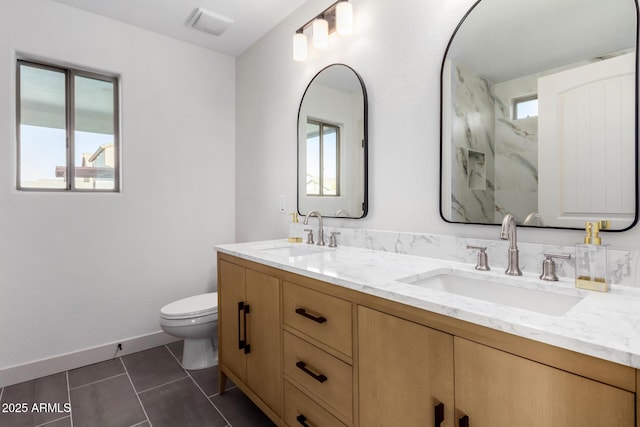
(42, 128)
(67, 129)
(323, 154)
(329, 161)
(94, 134)
(525, 108)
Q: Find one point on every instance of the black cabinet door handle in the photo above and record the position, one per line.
(438, 414)
(247, 347)
(302, 420)
(303, 312)
(240, 340)
(464, 421)
(318, 377)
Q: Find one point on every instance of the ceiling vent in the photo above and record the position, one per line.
(209, 22)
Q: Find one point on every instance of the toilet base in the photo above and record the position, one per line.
(199, 353)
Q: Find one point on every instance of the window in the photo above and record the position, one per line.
(525, 107)
(67, 128)
(323, 148)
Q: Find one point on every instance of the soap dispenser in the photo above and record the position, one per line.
(295, 235)
(591, 259)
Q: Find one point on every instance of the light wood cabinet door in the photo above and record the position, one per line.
(264, 367)
(498, 389)
(231, 291)
(405, 371)
(249, 327)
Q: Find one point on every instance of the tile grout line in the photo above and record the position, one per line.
(54, 421)
(162, 385)
(134, 390)
(217, 393)
(96, 382)
(69, 397)
(199, 388)
(210, 401)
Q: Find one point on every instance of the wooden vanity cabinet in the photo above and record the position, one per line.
(368, 361)
(406, 372)
(497, 389)
(249, 334)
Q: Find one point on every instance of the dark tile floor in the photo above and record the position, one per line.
(145, 389)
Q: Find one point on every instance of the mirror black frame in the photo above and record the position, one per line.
(637, 152)
(365, 203)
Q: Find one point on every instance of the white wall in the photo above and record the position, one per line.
(398, 51)
(83, 270)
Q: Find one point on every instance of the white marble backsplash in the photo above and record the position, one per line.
(624, 266)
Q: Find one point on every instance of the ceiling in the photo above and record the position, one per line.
(505, 39)
(252, 18)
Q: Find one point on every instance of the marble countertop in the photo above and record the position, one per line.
(603, 325)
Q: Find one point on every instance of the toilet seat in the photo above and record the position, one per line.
(195, 306)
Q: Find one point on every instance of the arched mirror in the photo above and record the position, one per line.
(332, 144)
(539, 114)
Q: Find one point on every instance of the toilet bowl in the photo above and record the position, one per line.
(195, 319)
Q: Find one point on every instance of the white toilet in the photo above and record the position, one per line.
(196, 320)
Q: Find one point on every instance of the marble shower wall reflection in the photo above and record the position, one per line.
(473, 152)
(495, 161)
(516, 144)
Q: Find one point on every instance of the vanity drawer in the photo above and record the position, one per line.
(321, 316)
(325, 376)
(300, 410)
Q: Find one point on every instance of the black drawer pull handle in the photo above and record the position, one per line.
(438, 414)
(240, 340)
(302, 420)
(464, 421)
(303, 312)
(247, 347)
(318, 377)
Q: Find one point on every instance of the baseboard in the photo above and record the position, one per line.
(65, 362)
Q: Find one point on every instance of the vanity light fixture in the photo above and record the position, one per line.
(299, 47)
(336, 18)
(344, 18)
(320, 33)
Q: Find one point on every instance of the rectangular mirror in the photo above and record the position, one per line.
(539, 113)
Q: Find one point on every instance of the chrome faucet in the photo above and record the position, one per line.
(320, 228)
(508, 232)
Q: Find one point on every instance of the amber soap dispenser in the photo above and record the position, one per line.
(591, 259)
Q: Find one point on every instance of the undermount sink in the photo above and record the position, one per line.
(513, 295)
(293, 249)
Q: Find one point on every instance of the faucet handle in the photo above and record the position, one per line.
(333, 243)
(309, 236)
(549, 266)
(482, 262)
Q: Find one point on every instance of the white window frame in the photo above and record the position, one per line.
(520, 100)
(70, 169)
(321, 125)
